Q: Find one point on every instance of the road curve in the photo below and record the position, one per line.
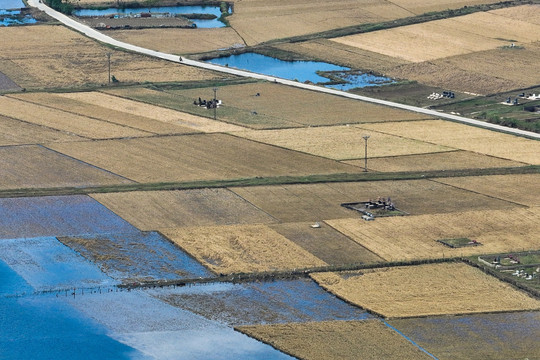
(92, 33)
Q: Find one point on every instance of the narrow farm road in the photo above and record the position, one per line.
(92, 33)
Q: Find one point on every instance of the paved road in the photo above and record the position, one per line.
(92, 33)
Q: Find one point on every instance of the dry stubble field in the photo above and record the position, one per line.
(415, 237)
(16, 132)
(426, 290)
(368, 339)
(241, 248)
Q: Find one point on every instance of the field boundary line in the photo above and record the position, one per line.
(409, 340)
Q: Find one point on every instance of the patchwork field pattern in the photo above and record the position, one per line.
(464, 137)
(197, 157)
(450, 160)
(434, 289)
(341, 142)
(16, 132)
(415, 237)
(37, 167)
(41, 56)
(151, 210)
(241, 248)
(348, 340)
(487, 336)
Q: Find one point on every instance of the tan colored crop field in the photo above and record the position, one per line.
(464, 137)
(197, 157)
(67, 122)
(42, 56)
(344, 340)
(415, 237)
(151, 210)
(523, 189)
(241, 248)
(316, 202)
(16, 132)
(341, 142)
(528, 13)
(423, 6)
(95, 111)
(450, 160)
(165, 115)
(37, 167)
(433, 289)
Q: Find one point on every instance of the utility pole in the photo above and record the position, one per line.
(215, 103)
(109, 61)
(366, 137)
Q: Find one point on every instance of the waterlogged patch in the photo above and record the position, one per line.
(12, 283)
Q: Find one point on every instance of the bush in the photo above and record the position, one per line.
(64, 6)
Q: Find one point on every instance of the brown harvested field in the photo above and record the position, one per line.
(423, 6)
(197, 157)
(323, 340)
(415, 237)
(522, 189)
(16, 132)
(426, 290)
(241, 248)
(151, 210)
(316, 202)
(450, 160)
(527, 13)
(37, 167)
(42, 56)
(95, 111)
(448, 37)
(157, 113)
(326, 243)
(464, 137)
(341, 142)
(64, 121)
(180, 41)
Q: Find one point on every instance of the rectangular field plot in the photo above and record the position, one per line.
(523, 189)
(16, 132)
(434, 289)
(464, 137)
(197, 157)
(341, 142)
(450, 160)
(326, 243)
(242, 248)
(64, 121)
(416, 237)
(151, 210)
(38, 167)
(57, 216)
(46, 264)
(316, 202)
(272, 302)
(136, 257)
(168, 117)
(96, 111)
(347, 340)
(486, 336)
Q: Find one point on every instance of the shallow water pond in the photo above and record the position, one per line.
(11, 4)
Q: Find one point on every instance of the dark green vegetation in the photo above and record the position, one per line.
(458, 242)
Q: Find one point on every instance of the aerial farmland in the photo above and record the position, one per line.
(354, 179)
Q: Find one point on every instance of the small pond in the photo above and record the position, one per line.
(301, 71)
(165, 10)
(11, 4)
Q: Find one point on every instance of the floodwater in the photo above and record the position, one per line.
(11, 4)
(301, 71)
(173, 10)
(10, 16)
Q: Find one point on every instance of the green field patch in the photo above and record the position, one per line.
(459, 242)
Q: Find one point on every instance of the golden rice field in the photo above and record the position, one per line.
(36, 167)
(96, 111)
(151, 210)
(522, 189)
(16, 132)
(464, 137)
(83, 126)
(341, 142)
(450, 160)
(161, 114)
(346, 340)
(426, 290)
(41, 56)
(197, 157)
(316, 202)
(415, 237)
(241, 248)
(448, 37)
